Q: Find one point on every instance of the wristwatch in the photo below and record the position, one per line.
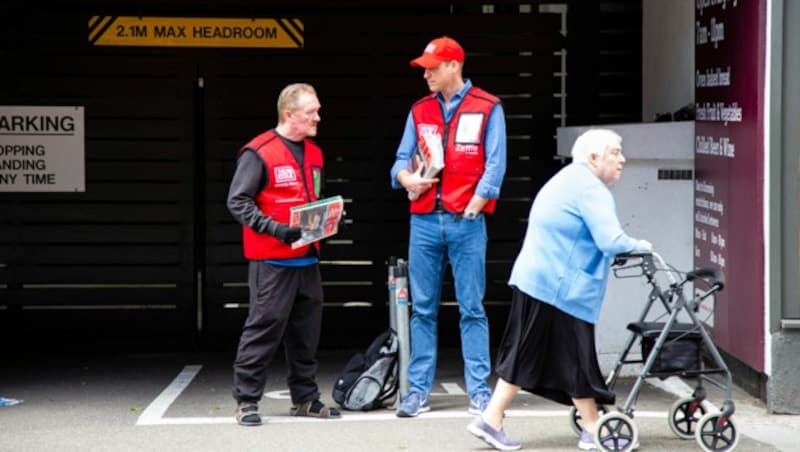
(470, 215)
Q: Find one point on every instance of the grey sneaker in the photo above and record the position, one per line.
(247, 414)
(494, 438)
(587, 441)
(479, 403)
(412, 405)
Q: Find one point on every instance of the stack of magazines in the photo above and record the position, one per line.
(318, 220)
(430, 155)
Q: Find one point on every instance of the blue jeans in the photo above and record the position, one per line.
(435, 239)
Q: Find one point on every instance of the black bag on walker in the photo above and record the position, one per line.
(680, 352)
(370, 378)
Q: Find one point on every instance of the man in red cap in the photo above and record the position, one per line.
(447, 216)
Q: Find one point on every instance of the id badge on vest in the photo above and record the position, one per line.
(468, 129)
(316, 176)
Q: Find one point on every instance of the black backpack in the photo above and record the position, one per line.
(370, 378)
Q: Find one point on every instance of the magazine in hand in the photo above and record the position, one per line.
(432, 154)
(318, 220)
(431, 157)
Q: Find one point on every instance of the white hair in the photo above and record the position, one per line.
(594, 141)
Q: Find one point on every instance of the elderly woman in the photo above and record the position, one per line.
(558, 282)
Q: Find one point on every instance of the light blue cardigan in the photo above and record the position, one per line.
(573, 235)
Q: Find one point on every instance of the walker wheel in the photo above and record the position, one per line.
(684, 416)
(716, 433)
(616, 432)
(576, 418)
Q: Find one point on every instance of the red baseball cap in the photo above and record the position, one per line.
(438, 50)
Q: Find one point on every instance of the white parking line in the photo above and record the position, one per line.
(383, 415)
(453, 389)
(154, 413)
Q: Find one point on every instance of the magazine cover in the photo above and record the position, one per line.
(318, 220)
(432, 153)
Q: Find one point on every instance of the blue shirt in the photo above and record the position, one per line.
(494, 146)
(295, 262)
(573, 235)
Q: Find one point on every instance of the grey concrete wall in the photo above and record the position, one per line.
(783, 390)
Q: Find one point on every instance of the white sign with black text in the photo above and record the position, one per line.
(42, 149)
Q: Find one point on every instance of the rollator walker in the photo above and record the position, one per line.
(669, 348)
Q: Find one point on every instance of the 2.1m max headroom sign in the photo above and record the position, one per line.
(195, 32)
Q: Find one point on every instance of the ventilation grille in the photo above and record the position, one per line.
(675, 174)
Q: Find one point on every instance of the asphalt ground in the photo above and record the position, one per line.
(182, 402)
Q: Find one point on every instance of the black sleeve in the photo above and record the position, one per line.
(248, 180)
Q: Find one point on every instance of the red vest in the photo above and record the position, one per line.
(464, 160)
(287, 186)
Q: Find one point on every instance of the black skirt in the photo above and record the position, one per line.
(550, 353)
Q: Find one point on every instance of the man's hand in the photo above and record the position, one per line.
(287, 234)
(415, 183)
(474, 207)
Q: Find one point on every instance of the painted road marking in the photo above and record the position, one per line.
(154, 413)
(453, 389)
(383, 415)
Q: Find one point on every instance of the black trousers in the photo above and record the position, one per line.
(285, 306)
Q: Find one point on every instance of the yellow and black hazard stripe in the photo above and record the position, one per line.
(293, 28)
(98, 25)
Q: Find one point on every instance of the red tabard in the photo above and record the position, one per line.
(288, 186)
(463, 143)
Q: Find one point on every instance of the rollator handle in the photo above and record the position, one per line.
(622, 258)
(716, 276)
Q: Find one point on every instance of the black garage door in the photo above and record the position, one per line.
(148, 256)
